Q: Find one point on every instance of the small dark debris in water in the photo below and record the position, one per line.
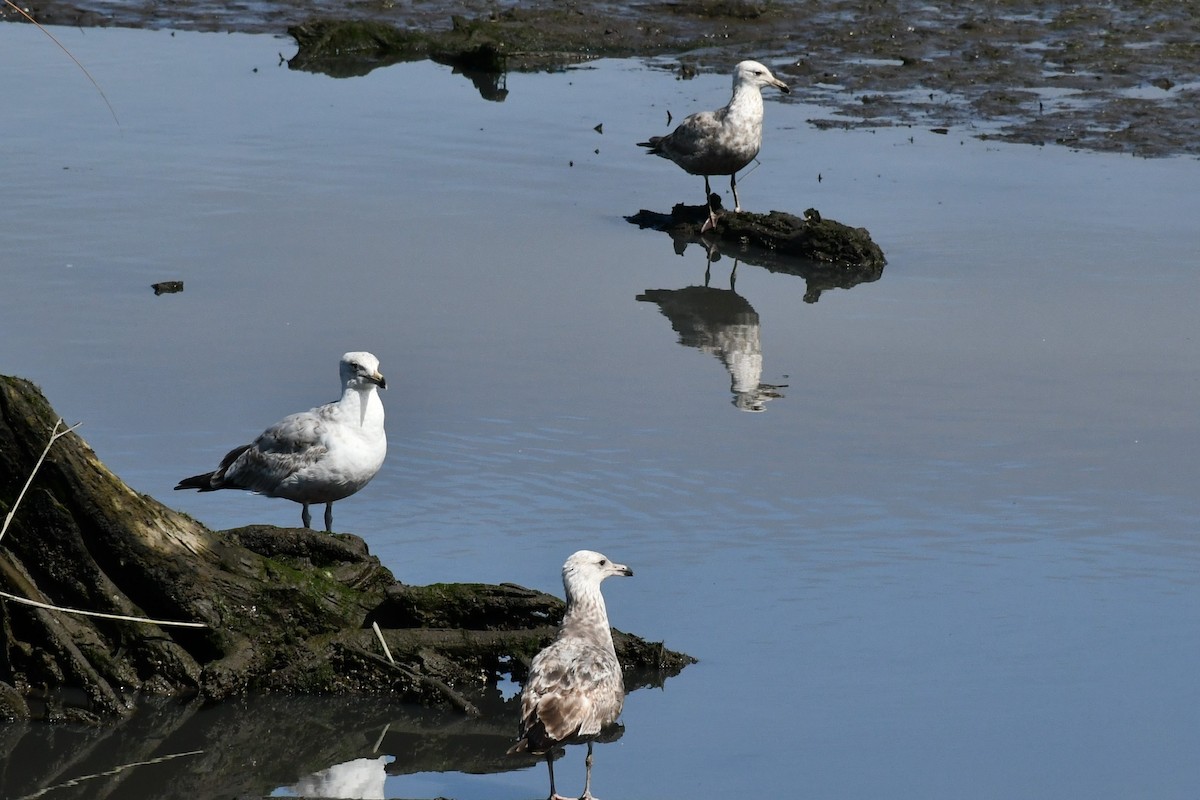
(597, 151)
(167, 287)
(570, 163)
(942, 131)
(1163, 83)
(255, 70)
(669, 117)
(599, 128)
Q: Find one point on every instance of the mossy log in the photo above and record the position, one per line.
(285, 610)
(826, 253)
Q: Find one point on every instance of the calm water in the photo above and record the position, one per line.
(958, 556)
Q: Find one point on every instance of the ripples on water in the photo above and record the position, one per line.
(956, 557)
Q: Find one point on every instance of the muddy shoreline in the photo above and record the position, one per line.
(1118, 78)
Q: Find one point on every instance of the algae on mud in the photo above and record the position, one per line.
(1120, 77)
(286, 610)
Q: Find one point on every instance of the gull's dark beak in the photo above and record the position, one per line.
(378, 380)
(783, 87)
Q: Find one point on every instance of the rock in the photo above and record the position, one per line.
(286, 610)
(812, 238)
(827, 254)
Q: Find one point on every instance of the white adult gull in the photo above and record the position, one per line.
(575, 688)
(318, 456)
(721, 142)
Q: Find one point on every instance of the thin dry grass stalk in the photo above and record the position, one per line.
(70, 55)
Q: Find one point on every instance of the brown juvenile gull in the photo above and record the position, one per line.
(721, 142)
(316, 456)
(575, 688)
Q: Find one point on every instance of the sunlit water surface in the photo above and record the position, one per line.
(957, 557)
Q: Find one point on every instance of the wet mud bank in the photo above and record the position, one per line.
(1121, 77)
(283, 611)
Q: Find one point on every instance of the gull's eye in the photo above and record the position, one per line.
(603, 562)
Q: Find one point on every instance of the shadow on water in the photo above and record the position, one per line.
(491, 85)
(722, 323)
(354, 49)
(252, 747)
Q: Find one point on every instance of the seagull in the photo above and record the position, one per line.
(721, 142)
(316, 456)
(575, 687)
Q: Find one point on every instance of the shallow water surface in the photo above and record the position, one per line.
(954, 554)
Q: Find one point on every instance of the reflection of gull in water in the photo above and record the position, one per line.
(360, 779)
(318, 456)
(724, 324)
(721, 142)
(575, 687)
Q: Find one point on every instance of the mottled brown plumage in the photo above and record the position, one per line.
(575, 687)
(724, 141)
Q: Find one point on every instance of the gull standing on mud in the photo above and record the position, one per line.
(575, 688)
(318, 456)
(721, 142)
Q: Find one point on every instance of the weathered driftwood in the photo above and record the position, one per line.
(826, 253)
(286, 610)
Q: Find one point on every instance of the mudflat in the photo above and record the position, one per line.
(1122, 77)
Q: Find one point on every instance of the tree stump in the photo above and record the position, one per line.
(285, 610)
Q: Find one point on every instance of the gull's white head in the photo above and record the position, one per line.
(752, 73)
(361, 369)
(590, 567)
